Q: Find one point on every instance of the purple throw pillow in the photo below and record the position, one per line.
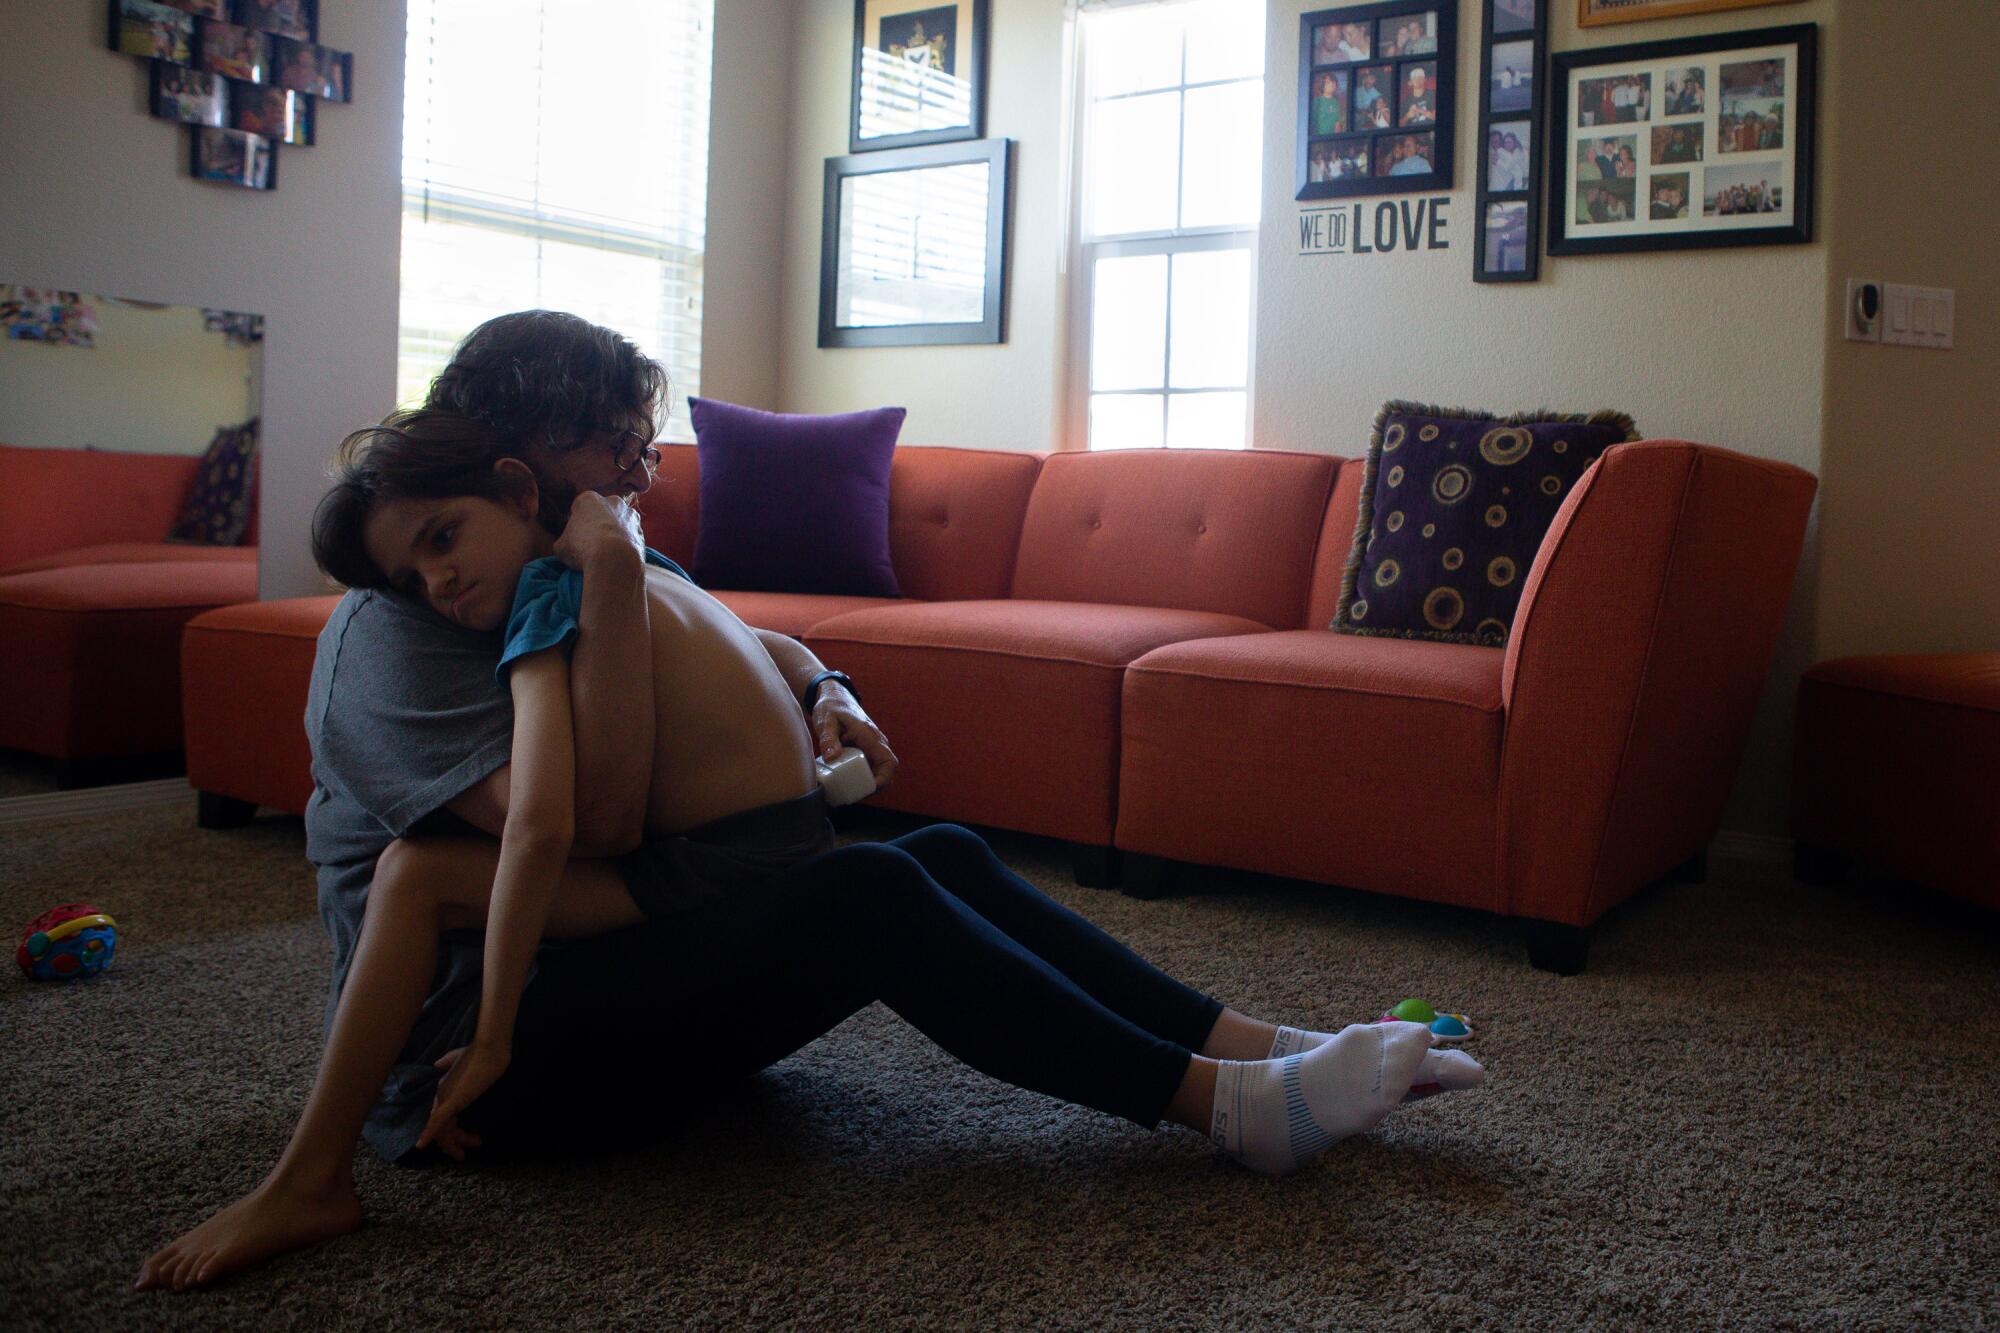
(794, 503)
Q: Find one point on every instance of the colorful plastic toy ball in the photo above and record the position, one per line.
(1445, 1027)
(73, 940)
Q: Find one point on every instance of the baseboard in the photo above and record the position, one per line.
(1757, 848)
(97, 801)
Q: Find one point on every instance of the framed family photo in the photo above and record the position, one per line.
(189, 95)
(276, 113)
(1514, 36)
(1686, 144)
(234, 157)
(298, 19)
(919, 73)
(1375, 99)
(1592, 13)
(150, 29)
(319, 71)
(232, 51)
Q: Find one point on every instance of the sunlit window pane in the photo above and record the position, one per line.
(1211, 344)
(1206, 420)
(1134, 171)
(1225, 40)
(1125, 421)
(1128, 323)
(1222, 181)
(1134, 51)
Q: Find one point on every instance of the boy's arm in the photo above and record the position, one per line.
(536, 839)
(611, 678)
(534, 844)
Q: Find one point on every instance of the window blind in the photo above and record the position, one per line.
(555, 155)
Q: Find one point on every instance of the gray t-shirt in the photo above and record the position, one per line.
(403, 715)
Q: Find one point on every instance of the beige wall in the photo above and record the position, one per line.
(155, 382)
(992, 397)
(98, 198)
(749, 126)
(1910, 465)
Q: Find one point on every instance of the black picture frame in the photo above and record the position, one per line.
(256, 158)
(260, 109)
(1317, 151)
(1501, 30)
(991, 327)
(874, 98)
(239, 53)
(1790, 158)
(190, 96)
(150, 31)
(297, 19)
(325, 73)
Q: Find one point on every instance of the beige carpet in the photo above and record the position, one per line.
(1762, 1106)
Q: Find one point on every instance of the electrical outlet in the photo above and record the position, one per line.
(1864, 311)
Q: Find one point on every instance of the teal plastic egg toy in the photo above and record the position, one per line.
(1449, 1025)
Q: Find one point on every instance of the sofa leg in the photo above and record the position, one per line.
(1145, 876)
(221, 812)
(1694, 870)
(1094, 867)
(1553, 947)
(1817, 865)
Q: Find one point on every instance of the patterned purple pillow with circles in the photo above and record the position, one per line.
(1454, 506)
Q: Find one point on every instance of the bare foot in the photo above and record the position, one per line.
(268, 1221)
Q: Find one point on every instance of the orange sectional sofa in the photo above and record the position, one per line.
(1126, 650)
(93, 599)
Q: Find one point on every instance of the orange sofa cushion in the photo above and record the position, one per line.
(1894, 766)
(1227, 531)
(245, 673)
(137, 553)
(90, 655)
(59, 498)
(1394, 791)
(954, 517)
(1004, 712)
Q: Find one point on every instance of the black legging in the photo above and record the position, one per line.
(616, 1028)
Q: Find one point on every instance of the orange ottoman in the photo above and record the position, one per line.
(245, 671)
(90, 654)
(1897, 768)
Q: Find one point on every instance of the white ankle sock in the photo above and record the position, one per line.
(1275, 1115)
(1294, 1041)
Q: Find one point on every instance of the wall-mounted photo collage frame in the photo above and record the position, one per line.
(1685, 144)
(1376, 99)
(1513, 41)
(244, 76)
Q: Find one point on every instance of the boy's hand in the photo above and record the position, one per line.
(600, 529)
(469, 1072)
(838, 720)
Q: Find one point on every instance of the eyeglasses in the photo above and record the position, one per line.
(630, 448)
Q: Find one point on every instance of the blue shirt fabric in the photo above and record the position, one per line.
(548, 602)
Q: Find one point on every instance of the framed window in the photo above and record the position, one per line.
(1167, 181)
(556, 156)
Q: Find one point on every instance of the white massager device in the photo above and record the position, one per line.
(847, 779)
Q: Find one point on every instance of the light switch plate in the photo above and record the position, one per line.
(1917, 316)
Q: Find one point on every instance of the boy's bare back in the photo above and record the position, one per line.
(729, 733)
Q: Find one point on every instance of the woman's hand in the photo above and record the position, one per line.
(838, 720)
(600, 529)
(469, 1072)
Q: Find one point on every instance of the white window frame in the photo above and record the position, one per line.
(1082, 254)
